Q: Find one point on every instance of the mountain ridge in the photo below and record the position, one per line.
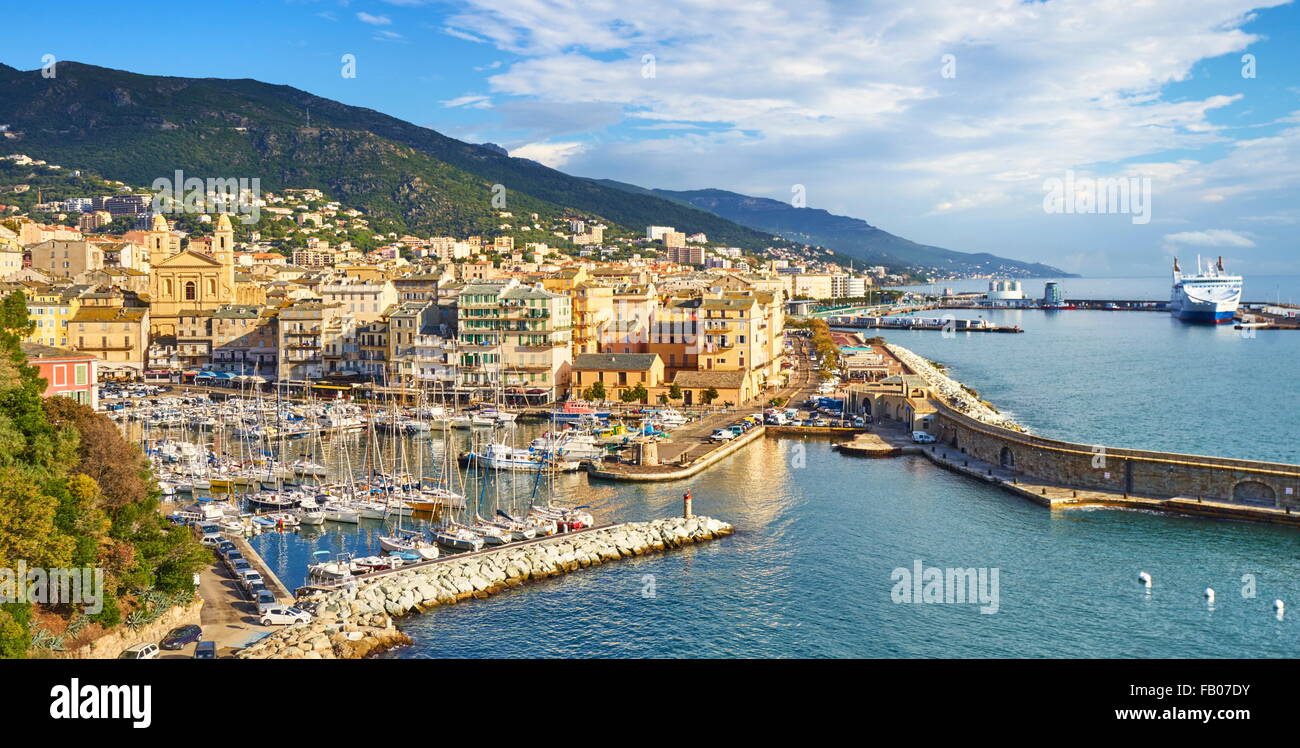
(845, 235)
(123, 125)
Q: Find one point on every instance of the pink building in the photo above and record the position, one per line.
(67, 373)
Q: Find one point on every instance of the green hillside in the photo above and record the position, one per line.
(138, 128)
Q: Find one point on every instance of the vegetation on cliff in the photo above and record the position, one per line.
(74, 493)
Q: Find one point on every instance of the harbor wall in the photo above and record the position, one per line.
(1124, 471)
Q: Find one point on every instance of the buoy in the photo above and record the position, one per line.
(1280, 607)
(1209, 595)
(1144, 579)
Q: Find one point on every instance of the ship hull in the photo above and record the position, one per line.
(1204, 316)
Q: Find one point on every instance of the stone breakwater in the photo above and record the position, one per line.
(952, 393)
(356, 620)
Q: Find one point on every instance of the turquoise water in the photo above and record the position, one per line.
(1131, 379)
(808, 573)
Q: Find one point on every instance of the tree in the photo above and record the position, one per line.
(637, 394)
(595, 392)
(675, 392)
(708, 396)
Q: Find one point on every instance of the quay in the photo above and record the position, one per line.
(935, 324)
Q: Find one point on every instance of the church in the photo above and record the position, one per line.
(189, 279)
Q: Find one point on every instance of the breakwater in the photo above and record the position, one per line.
(356, 620)
(971, 428)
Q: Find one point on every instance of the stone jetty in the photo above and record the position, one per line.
(356, 620)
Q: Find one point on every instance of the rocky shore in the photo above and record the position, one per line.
(356, 620)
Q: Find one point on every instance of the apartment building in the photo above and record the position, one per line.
(363, 300)
(303, 330)
(515, 336)
(51, 309)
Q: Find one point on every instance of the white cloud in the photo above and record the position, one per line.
(473, 101)
(374, 20)
(1209, 238)
(553, 155)
(848, 99)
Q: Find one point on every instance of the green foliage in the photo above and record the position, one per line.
(596, 392)
(15, 630)
(675, 392)
(709, 395)
(74, 492)
(637, 394)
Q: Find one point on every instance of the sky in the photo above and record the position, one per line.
(975, 126)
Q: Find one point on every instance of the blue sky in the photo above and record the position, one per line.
(851, 100)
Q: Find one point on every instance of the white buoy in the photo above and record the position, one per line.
(1144, 579)
(1209, 595)
(1280, 607)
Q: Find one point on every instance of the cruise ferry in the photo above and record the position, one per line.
(1210, 296)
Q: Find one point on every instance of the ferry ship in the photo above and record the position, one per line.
(1210, 296)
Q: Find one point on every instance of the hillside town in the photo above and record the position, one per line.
(473, 316)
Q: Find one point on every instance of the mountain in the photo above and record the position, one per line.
(138, 128)
(847, 236)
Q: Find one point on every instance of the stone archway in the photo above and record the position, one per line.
(1254, 492)
(1007, 459)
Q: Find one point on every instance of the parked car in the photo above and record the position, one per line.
(179, 637)
(224, 547)
(920, 437)
(721, 435)
(205, 651)
(284, 615)
(140, 652)
(249, 578)
(210, 541)
(239, 567)
(265, 601)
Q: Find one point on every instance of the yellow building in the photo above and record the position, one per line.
(117, 335)
(617, 373)
(51, 311)
(189, 279)
(592, 303)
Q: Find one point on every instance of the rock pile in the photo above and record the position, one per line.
(950, 391)
(356, 620)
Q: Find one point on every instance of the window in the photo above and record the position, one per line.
(191, 292)
(81, 373)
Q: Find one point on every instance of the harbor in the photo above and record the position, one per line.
(389, 604)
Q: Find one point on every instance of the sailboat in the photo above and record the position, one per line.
(409, 541)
